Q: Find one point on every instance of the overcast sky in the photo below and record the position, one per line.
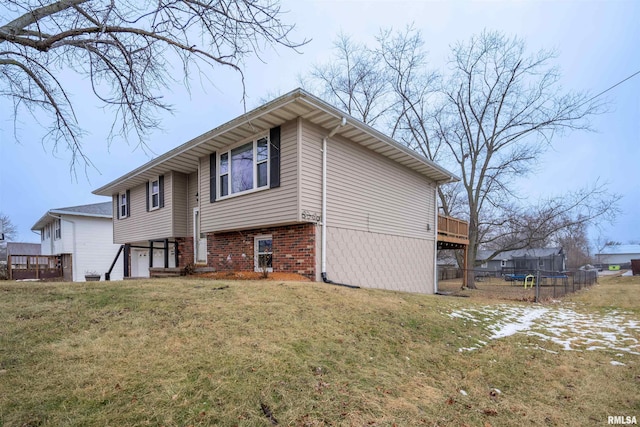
(598, 43)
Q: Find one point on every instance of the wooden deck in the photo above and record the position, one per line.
(453, 233)
(34, 267)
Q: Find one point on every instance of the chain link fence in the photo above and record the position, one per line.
(530, 285)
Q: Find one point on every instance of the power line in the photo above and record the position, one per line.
(615, 85)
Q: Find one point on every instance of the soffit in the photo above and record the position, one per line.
(298, 103)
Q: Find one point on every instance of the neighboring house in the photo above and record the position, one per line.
(550, 260)
(618, 255)
(83, 236)
(295, 185)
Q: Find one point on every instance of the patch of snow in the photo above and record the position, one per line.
(516, 324)
(616, 363)
(462, 392)
(563, 326)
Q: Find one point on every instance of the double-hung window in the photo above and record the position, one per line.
(263, 247)
(154, 194)
(122, 206)
(244, 168)
(57, 232)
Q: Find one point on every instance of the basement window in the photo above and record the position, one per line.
(263, 253)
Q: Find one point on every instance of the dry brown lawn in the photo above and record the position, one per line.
(201, 352)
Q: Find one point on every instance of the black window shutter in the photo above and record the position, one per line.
(161, 190)
(147, 196)
(212, 177)
(274, 156)
(128, 204)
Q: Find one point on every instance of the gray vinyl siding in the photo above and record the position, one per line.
(311, 169)
(142, 225)
(180, 193)
(262, 208)
(366, 191)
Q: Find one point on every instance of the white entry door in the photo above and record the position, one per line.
(199, 239)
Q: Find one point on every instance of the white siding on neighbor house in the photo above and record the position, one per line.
(261, 208)
(53, 246)
(141, 225)
(94, 249)
(89, 240)
(46, 244)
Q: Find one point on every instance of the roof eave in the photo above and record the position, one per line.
(49, 214)
(108, 189)
(417, 162)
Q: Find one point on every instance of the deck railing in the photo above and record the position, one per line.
(34, 266)
(453, 227)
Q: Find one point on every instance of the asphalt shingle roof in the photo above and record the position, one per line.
(100, 210)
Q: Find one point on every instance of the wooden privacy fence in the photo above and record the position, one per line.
(34, 266)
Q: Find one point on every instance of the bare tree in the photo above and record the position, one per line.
(123, 49)
(502, 108)
(575, 243)
(355, 80)
(489, 118)
(7, 227)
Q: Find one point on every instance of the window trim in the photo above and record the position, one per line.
(123, 196)
(57, 229)
(256, 253)
(254, 141)
(151, 193)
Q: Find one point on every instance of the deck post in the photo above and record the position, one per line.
(126, 260)
(166, 253)
(465, 271)
(150, 253)
(175, 254)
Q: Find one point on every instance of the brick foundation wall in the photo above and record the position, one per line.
(294, 249)
(185, 251)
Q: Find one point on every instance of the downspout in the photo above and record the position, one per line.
(325, 279)
(435, 238)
